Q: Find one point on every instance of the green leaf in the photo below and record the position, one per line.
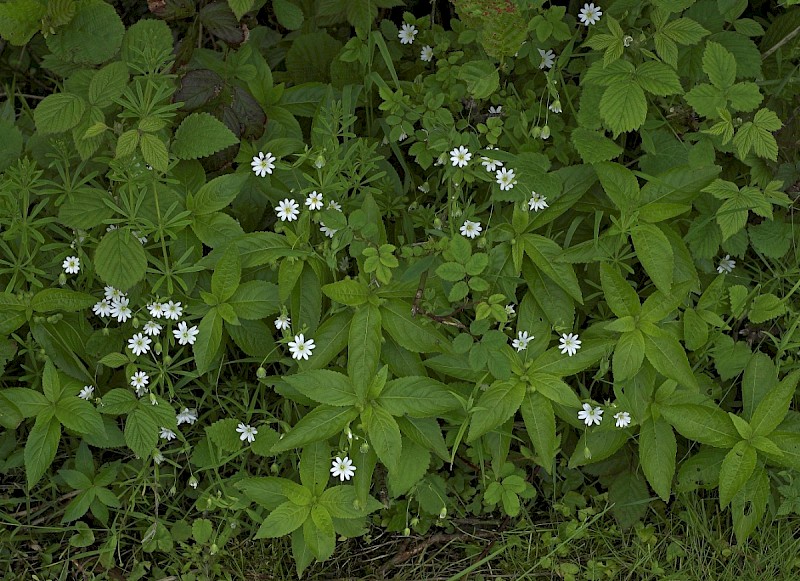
(324, 386)
(91, 37)
(384, 435)
(315, 463)
(719, 65)
(364, 347)
(416, 334)
(498, 403)
(108, 83)
(319, 534)
(775, 405)
(621, 298)
(141, 433)
(630, 497)
(340, 501)
(766, 307)
(600, 445)
(736, 469)
(154, 151)
(289, 15)
(80, 416)
(655, 253)
(704, 424)
(628, 355)
(241, 7)
(58, 113)
(537, 413)
(451, 271)
(425, 432)
(760, 376)
(481, 77)
(283, 520)
(319, 424)
(255, 299)
(41, 446)
(61, 299)
(619, 184)
(201, 135)
(419, 397)
(216, 194)
(544, 254)
(695, 330)
(208, 340)
(348, 292)
(594, 146)
(749, 505)
(224, 435)
(268, 491)
(227, 274)
(554, 389)
(120, 260)
(554, 362)
(658, 78)
(411, 468)
(623, 107)
(657, 452)
(684, 31)
(667, 356)
(20, 20)
(744, 96)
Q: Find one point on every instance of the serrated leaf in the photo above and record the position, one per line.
(593, 146)
(241, 7)
(704, 424)
(655, 253)
(141, 433)
(283, 520)
(201, 135)
(208, 340)
(537, 413)
(498, 403)
(154, 151)
(719, 64)
(384, 435)
(668, 357)
(736, 469)
(41, 447)
(224, 435)
(623, 107)
(58, 113)
(120, 260)
(319, 424)
(658, 78)
(108, 83)
(217, 194)
(766, 307)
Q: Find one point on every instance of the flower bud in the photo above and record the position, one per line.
(274, 468)
(319, 163)
(168, 360)
(261, 373)
(193, 482)
(414, 521)
(443, 513)
(158, 348)
(135, 322)
(62, 279)
(546, 132)
(406, 532)
(153, 400)
(364, 448)
(106, 331)
(214, 548)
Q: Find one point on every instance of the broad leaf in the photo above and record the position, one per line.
(498, 403)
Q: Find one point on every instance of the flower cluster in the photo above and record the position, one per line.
(591, 416)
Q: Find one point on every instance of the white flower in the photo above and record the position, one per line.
(141, 239)
(424, 187)
(537, 202)
(569, 344)
(193, 482)
(152, 328)
(505, 177)
(590, 14)
(86, 392)
(726, 264)
(167, 435)
(496, 110)
(623, 419)
(555, 106)
(314, 201)
(426, 54)
(263, 164)
(460, 156)
(246, 432)
(185, 334)
(139, 344)
(112, 293)
(158, 457)
(71, 265)
(187, 416)
(548, 58)
(403, 136)
(471, 229)
(113, 226)
(510, 310)
(139, 381)
(329, 232)
(102, 309)
(156, 310)
(522, 340)
(283, 322)
(343, 468)
(172, 310)
(490, 164)
(589, 416)
(407, 34)
(334, 205)
(300, 348)
(287, 210)
(121, 310)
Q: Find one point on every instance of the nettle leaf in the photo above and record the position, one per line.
(319, 424)
(208, 341)
(364, 347)
(628, 355)
(120, 260)
(384, 435)
(141, 433)
(766, 307)
(655, 253)
(775, 405)
(419, 397)
(61, 299)
(348, 292)
(620, 296)
(283, 520)
(227, 274)
(20, 20)
(154, 151)
(58, 113)
(217, 194)
(667, 356)
(200, 135)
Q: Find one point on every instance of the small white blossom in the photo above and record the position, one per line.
(506, 178)
(139, 381)
(139, 344)
(173, 310)
(158, 457)
(510, 310)
(334, 205)
(329, 232)
(152, 328)
(314, 201)
(187, 416)
(555, 106)
(496, 110)
(167, 434)
(426, 54)
(156, 310)
(141, 239)
(287, 210)
(590, 416)
(537, 202)
(184, 334)
(71, 265)
(102, 309)
(407, 34)
(121, 310)
(246, 432)
(300, 348)
(522, 340)
(548, 58)
(86, 392)
(623, 419)
(113, 294)
(263, 164)
(726, 264)
(471, 229)
(590, 14)
(343, 468)
(460, 156)
(569, 344)
(490, 164)
(193, 482)
(283, 322)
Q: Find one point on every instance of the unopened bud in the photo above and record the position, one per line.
(261, 373)
(364, 448)
(443, 513)
(406, 532)
(319, 163)
(274, 468)
(62, 279)
(193, 482)
(545, 132)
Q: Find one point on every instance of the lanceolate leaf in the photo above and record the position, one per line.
(283, 520)
(364, 347)
(384, 435)
(667, 356)
(418, 397)
(773, 408)
(40, 449)
(319, 424)
(657, 450)
(499, 403)
(537, 412)
(736, 469)
(705, 424)
(324, 386)
(655, 253)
